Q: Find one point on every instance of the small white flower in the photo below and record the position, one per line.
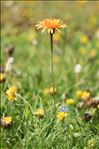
(77, 68)
(9, 64)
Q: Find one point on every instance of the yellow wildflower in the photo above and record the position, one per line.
(6, 121)
(84, 39)
(85, 95)
(11, 93)
(70, 101)
(2, 77)
(79, 93)
(49, 91)
(61, 115)
(39, 113)
(52, 90)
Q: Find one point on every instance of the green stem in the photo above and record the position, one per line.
(25, 102)
(51, 38)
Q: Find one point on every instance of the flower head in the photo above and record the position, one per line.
(61, 115)
(63, 109)
(39, 113)
(6, 121)
(2, 77)
(51, 25)
(49, 90)
(70, 101)
(79, 93)
(11, 93)
(85, 95)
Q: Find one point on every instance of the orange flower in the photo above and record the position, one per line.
(51, 25)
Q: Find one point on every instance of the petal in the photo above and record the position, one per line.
(43, 30)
